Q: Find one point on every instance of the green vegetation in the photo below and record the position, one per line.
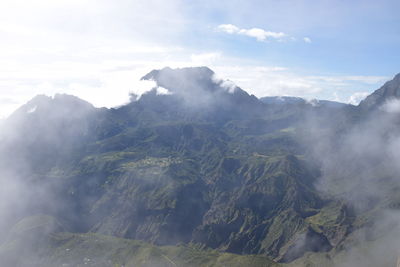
(69, 249)
(230, 183)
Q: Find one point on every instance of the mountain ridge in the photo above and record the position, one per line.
(390, 90)
(234, 175)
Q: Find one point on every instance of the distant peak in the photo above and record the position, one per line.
(58, 98)
(184, 80)
(60, 103)
(198, 86)
(189, 72)
(282, 100)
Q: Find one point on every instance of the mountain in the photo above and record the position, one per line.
(203, 167)
(195, 82)
(197, 92)
(390, 90)
(283, 100)
(90, 249)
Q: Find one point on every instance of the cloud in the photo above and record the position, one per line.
(273, 81)
(269, 80)
(262, 35)
(106, 79)
(257, 33)
(359, 162)
(264, 80)
(98, 50)
(392, 106)
(7, 101)
(228, 85)
(356, 98)
(163, 91)
(228, 28)
(339, 79)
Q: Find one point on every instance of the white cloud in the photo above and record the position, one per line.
(262, 35)
(279, 81)
(269, 81)
(163, 91)
(99, 50)
(228, 85)
(392, 106)
(96, 50)
(340, 79)
(259, 34)
(106, 79)
(357, 97)
(228, 28)
(31, 110)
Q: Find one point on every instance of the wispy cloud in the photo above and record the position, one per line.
(259, 34)
(275, 81)
(357, 97)
(340, 79)
(101, 52)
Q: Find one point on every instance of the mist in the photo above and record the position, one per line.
(192, 162)
(359, 156)
(35, 142)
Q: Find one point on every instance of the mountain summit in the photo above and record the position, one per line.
(180, 80)
(193, 81)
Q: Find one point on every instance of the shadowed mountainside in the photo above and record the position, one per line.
(205, 164)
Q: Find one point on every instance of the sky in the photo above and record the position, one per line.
(98, 50)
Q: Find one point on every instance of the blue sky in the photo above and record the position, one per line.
(358, 37)
(98, 50)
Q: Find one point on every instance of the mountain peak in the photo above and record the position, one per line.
(199, 87)
(181, 80)
(58, 105)
(192, 72)
(389, 90)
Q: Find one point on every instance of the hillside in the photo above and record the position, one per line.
(195, 177)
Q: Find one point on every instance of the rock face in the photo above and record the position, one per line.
(206, 164)
(390, 90)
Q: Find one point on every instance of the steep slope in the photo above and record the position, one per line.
(390, 90)
(57, 248)
(199, 86)
(196, 93)
(58, 124)
(205, 164)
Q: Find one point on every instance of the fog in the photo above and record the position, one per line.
(359, 155)
(356, 150)
(34, 141)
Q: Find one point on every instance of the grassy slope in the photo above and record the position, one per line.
(37, 241)
(91, 249)
(69, 249)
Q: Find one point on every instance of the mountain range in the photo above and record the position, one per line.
(197, 172)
